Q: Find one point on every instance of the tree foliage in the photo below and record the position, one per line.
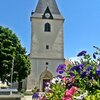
(11, 49)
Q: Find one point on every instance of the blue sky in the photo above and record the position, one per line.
(81, 26)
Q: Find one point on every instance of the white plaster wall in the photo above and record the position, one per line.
(39, 66)
(40, 39)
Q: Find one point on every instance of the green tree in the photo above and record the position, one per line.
(12, 51)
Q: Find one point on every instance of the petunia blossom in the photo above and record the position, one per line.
(64, 79)
(83, 75)
(98, 71)
(82, 96)
(68, 85)
(89, 68)
(47, 84)
(78, 68)
(59, 76)
(56, 80)
(81, 53)
(69, 93)
(35, 95)
(61, 68)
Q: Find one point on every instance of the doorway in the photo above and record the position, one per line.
(45, 76)
(44, 82)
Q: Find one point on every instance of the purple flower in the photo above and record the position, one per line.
(89, 68)
(61, 68)
(98, 67)
(98, 71)
(59, 76)
(68, 85)
(47, 84)
(35, 95)
(78, 68)
(81, 53)
(72, 74)
(73, 68)
(92, 78)
(83, 75)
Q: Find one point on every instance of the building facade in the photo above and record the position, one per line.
(47, 43)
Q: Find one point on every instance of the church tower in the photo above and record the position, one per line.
(47, 44)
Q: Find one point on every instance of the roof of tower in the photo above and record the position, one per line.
(43, 4)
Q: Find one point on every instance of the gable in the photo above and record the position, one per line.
(47, 14)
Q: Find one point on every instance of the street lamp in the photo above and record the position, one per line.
(12, 72)
(12, 75)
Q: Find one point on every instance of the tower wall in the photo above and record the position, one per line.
(38, 67)
(47, 47)
(40, 39)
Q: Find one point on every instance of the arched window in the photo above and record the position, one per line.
(47, 27)
(47, 47)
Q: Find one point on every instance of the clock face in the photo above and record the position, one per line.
(47, 15)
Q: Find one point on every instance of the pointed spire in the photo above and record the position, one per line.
(43, 4)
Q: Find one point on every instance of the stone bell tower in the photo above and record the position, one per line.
(47, 44)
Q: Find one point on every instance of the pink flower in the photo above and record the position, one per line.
(72, 79)
(64, 79)
(64, 98)
(69, 93)
(73, 90)
(42, 98)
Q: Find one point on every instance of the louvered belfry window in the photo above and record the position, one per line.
(47, 27)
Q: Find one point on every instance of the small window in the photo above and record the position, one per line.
(47, 46)
(47, 27)
(46, 63)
